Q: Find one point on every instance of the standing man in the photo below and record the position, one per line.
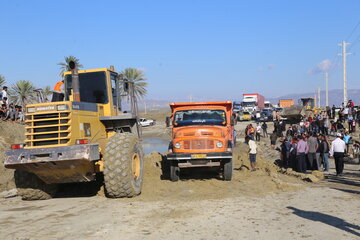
(258, 132)
(257, 116)
(313, 147)
(4, 92)
(337, 150)
(302, 150)
(273, 138)
(264, 128)
(252, 152)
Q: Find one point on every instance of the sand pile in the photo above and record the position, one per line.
(10, 133)
(198, 183)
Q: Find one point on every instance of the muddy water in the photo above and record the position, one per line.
(154, 145)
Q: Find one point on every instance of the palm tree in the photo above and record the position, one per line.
(137, 76)
(22, 92)
(65, 65)
(2, 80)
(47, 93)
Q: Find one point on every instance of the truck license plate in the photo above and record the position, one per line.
(198, 156)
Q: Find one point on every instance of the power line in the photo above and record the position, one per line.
(352, 32)
(355, 42)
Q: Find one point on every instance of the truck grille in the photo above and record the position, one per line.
(47, 129)
(196, 144)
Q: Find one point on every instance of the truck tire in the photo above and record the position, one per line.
(123, 166)
(30, 187)
(227, 170)
(174, 172)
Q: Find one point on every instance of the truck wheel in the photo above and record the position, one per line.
(228, 169)
(174, 172)
(30, 187)
(123, 166)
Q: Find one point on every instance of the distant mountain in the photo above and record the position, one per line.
(335, 97)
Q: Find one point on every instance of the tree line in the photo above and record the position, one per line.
(25, 92)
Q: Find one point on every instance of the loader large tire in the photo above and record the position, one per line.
(123, 166)
(30, 187)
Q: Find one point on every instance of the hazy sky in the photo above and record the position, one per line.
(206, 49)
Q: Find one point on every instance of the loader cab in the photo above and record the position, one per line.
(99, 86)
(308, 103)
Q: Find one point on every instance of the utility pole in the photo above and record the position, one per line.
(326, 89)
(319, 103)
(344, 54)
(315, 98)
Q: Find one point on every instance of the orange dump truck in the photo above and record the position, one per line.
(283, 103)
(202, 136)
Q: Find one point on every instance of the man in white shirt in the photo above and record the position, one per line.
(252, 152)
(4, 92)
(258, 132)
(258, 116)
(337, 150)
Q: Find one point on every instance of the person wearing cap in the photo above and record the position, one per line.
(337, 151)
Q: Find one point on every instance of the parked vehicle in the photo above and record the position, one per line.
(202, 136)
(252, 102)
(236, 106)
(266, 115)
(146, 122)
(244, 116)
(268, 105)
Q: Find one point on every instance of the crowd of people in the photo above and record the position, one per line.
(9, 111)
(306, 145)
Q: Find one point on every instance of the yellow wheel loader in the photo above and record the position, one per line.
(81, 138)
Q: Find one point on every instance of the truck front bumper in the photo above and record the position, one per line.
(213, 159)
(56, 164)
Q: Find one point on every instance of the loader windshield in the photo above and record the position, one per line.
(92, 87)
(199, 117)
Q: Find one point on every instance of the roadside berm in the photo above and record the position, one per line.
(204, 184)
(196, 184)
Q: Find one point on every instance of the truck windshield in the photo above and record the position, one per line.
(248, 104)
(199, 117)
(92, 87)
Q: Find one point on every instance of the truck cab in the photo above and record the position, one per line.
(202, 136)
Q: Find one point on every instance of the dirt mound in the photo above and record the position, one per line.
(196, 184)
(10, 133)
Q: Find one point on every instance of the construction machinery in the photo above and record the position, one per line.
(84, 138)
(304, 109)
(202, 136)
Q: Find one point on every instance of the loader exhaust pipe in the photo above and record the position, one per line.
(75, 81)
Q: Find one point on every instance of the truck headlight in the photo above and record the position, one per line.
(62, 107)
(177, 145)
(219, 144)
(30, 109)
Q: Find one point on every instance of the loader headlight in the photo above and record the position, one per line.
(177, 145)
(30, 109)
(62, 107)
(219, 144)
